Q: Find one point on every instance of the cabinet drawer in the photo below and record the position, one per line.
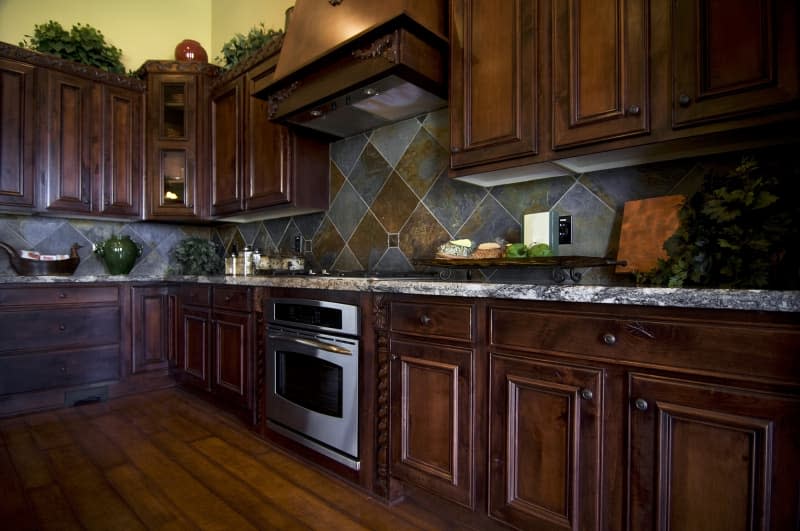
(196, 295)
(444, 320)
(32, 372)
(232, 298)
(59, 328)
(38, 295)
(760, 351)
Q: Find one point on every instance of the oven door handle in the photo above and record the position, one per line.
(312, 343)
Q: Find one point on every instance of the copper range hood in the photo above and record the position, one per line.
(347, 66)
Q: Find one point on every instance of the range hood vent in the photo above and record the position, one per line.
(348, 66)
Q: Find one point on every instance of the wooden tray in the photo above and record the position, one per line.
(28, 267)
(563, 266)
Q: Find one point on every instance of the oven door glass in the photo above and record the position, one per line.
(310, 382)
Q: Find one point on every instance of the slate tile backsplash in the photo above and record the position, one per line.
(391, 202)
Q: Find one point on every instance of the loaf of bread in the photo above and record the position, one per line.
(487, 250)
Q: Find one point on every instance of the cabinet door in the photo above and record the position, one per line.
(121, 184)
(600, 70)
(494, 81)
(732, 58)
(151, 328)
(711, 457)
(69, 154)
(227, 123)
(16, 134)
(194, 344)
(174, 180)
(231, 354)
(268, 180)
(545, 438)
(432, 418)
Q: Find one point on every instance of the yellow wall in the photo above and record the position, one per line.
(146, 29)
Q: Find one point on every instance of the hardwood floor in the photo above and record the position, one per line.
(168, 460)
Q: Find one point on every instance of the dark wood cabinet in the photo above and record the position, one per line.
(713, 457)
(260, 168)
(120, 190)
(599, 70)
(217, 344)
(432, 401)
(177, 145)
(152, 328)
(494, 81)
(545, 442)
(17, 108)
(731, 59)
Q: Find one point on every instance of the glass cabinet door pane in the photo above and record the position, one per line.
(174, 112)
(173, 177)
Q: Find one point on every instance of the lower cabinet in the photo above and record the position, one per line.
(545, 442)
(217, 343)
(152, 328)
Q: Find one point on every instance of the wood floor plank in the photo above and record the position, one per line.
(30, 463)
(52, 509)
(200, 505)
(95, 502)
(101, 450)
(359, 506)
(15, 512)
(146, 500)
(309, 509)
(48, 431)
(256, 508)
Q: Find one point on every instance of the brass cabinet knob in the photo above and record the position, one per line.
(634, 110)
(425, 320)
(62, 327)
(587, 394)
(641, 404)
(684, 100)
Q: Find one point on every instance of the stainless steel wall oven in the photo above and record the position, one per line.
(312, 378)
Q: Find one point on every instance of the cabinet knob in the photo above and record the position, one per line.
(609, 338)
(63, 369)
(455, 150)
(634, 110)
(425, 320)
(684, 100)
(641, 404)
(62, 327)
(228, 298)
(395, 357)
(107, 202)
(62, 295)
(587, 394)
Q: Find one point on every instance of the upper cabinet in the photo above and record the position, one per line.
(732, 58)
(259, 168)
(599, 70)
(550, 86)
(16, 134)
(176, 125)
(71, 138)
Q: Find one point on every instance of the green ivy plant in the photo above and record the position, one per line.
(239, 47)
(740, 230)
(196, 256)
(82, 43)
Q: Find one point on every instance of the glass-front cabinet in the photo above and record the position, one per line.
(176, 123)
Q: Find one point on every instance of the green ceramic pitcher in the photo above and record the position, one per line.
(119, 253)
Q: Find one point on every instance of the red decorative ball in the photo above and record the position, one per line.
(189, 50)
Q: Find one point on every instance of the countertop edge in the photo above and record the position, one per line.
(725, 299)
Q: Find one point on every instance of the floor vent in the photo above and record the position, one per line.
(90, 395)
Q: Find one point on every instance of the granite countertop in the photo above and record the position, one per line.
(758, 300)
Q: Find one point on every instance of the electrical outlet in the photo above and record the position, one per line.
(564, 230)
(298, 244)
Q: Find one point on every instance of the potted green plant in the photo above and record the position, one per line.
(196, 256)
(83, 44)
(239, 47)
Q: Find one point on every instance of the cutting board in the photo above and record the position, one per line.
(646, 225)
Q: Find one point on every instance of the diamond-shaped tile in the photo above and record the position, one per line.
(392, 140)
(437, 124)
(394, 261)
(345, 152)
(34, 230)
(422, 235)
(424, 160)
(347, 261)
(336, 182)
(452, 202)
(490, 221)
(532, 196)
(369, 173)
(286, 245)
(368, 242)
(327, 244)
(347, 210)
(592, 223)
(309, 223)
(264, 242)
(276, 228)
(394, 203)
(249, 231)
